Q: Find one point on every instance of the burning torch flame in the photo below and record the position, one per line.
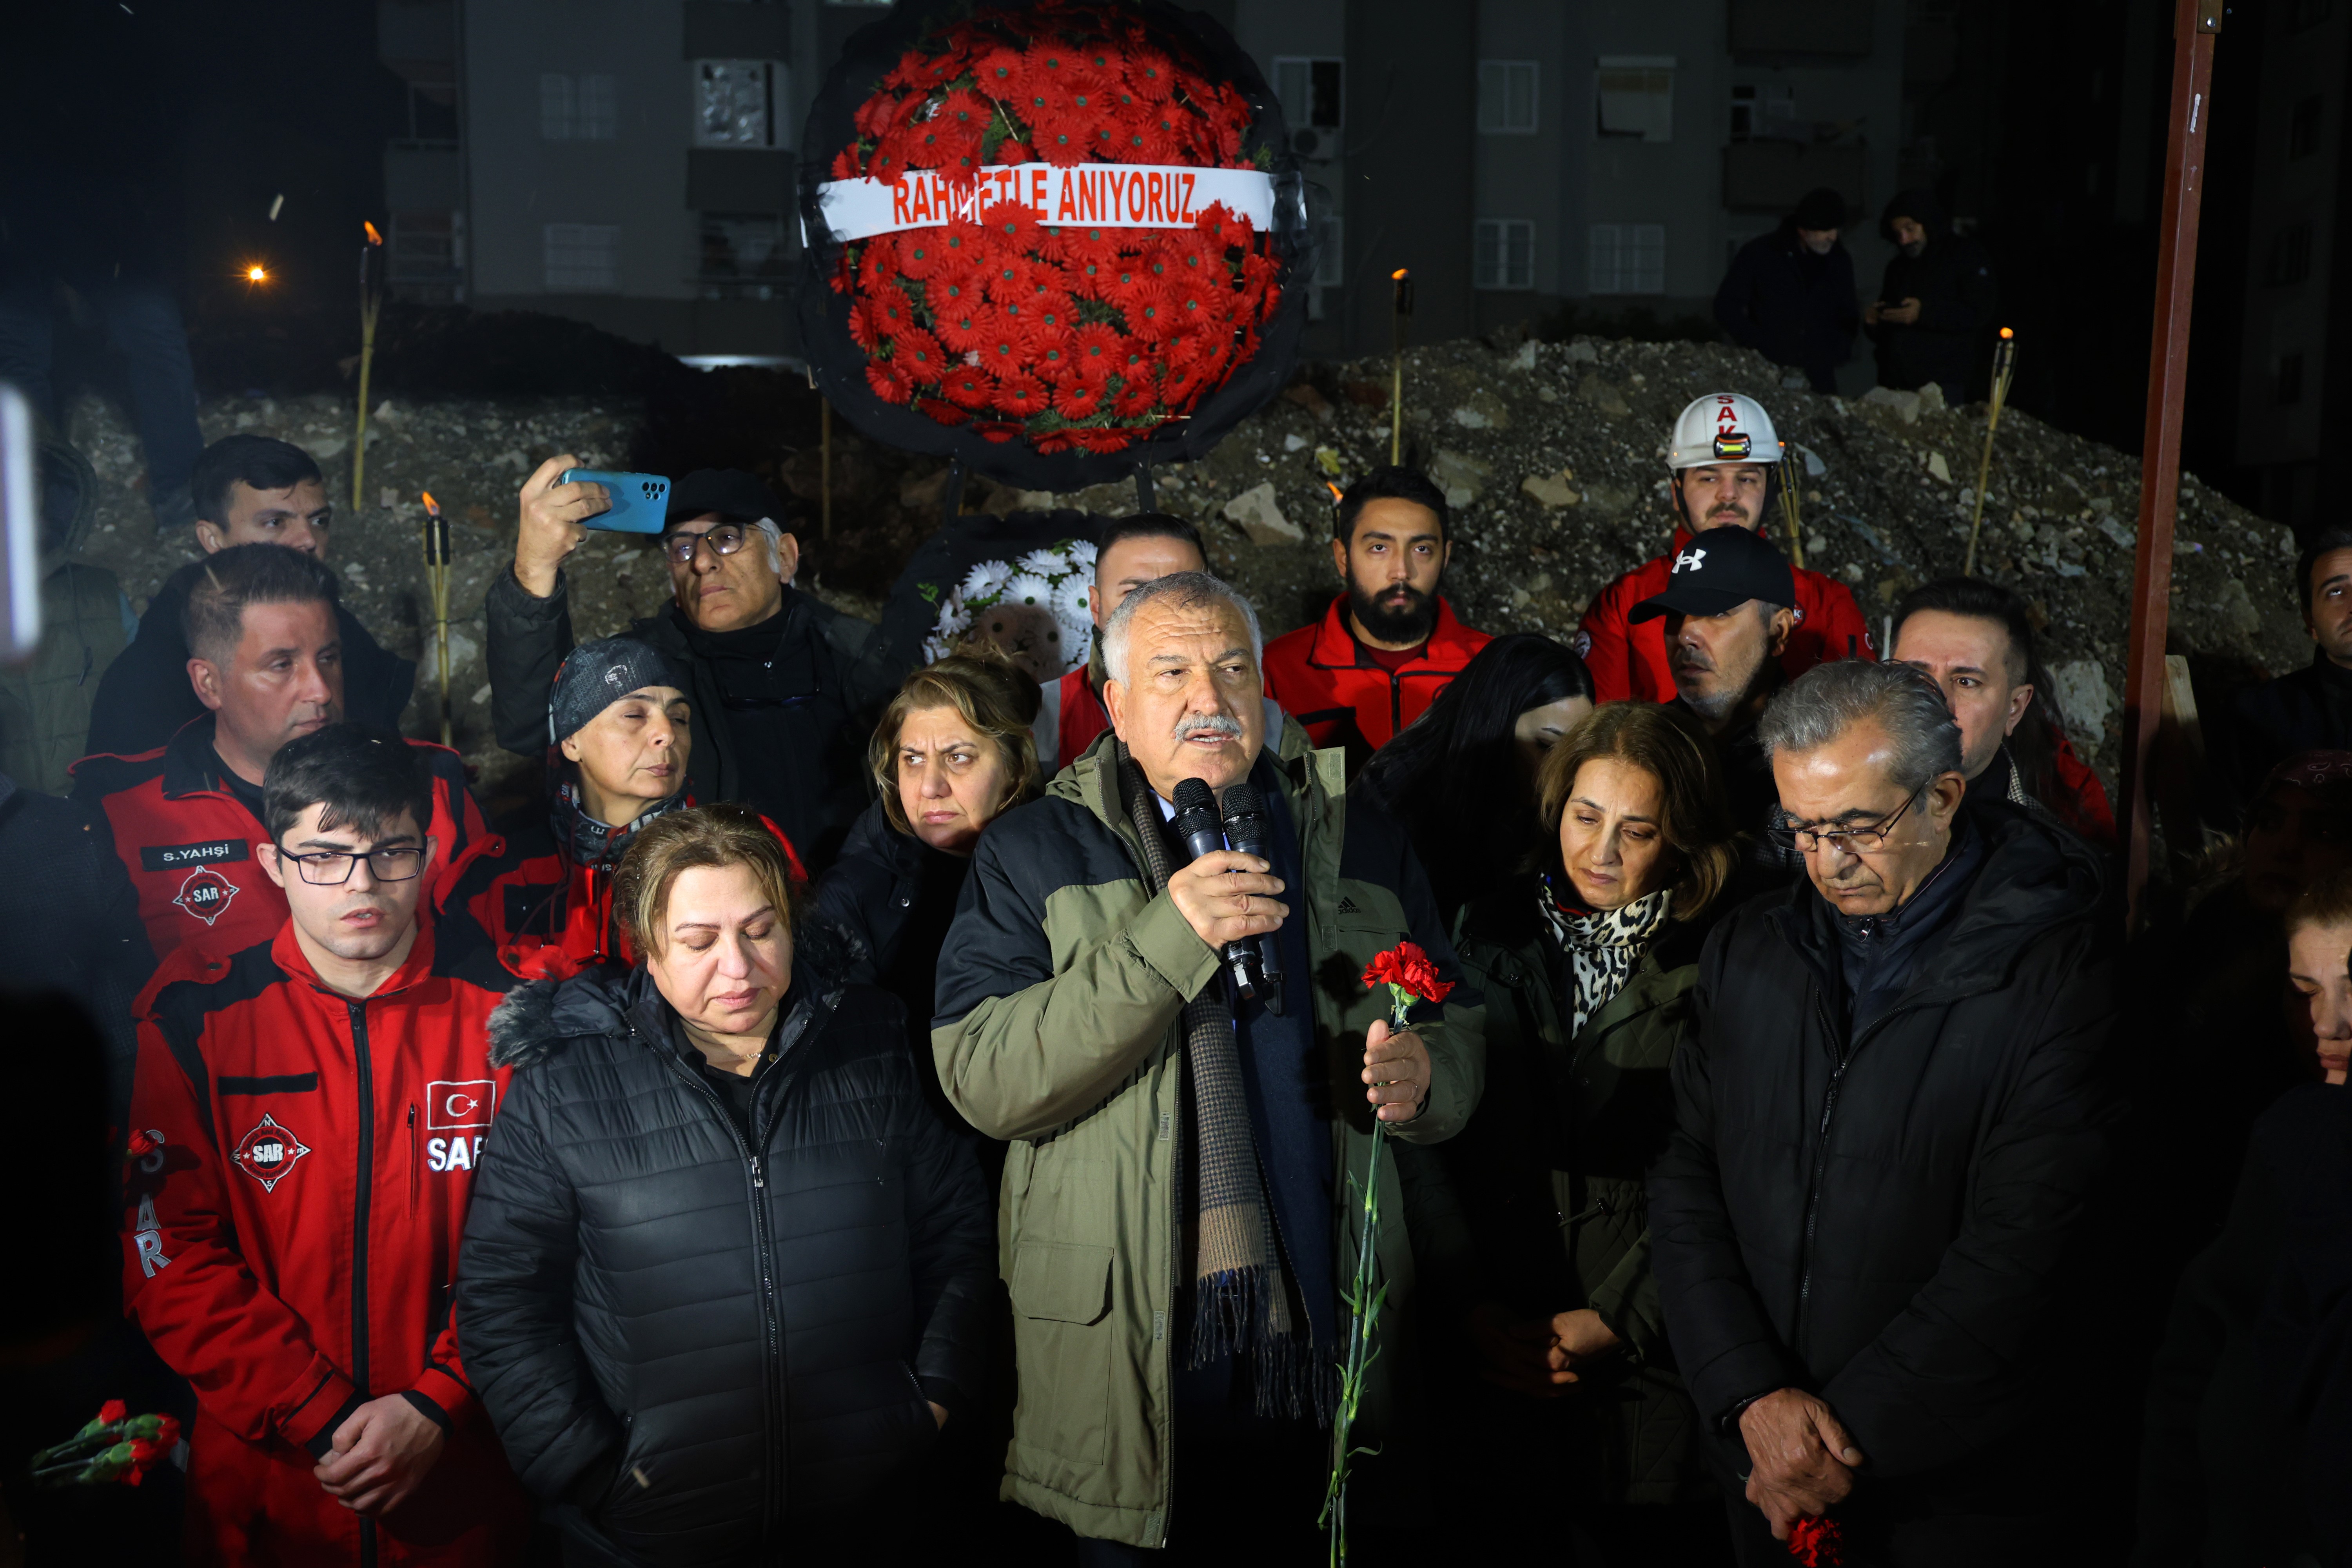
(372, 237)
(1401, 273)
(2007, 333)
(256, 273)
(431, 505)
(1338, 495)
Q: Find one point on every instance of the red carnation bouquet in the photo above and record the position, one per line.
(1083, 321)
(115, 1447)
(1817, 1542)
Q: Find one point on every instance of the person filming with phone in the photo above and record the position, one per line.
(783, 687)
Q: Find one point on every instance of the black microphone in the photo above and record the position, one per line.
(1203, 832)
(1256, 962)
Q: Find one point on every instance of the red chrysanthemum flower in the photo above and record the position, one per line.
(954, 289)
(1061, 140)
(1073, 246)
(1000, 347)
(963, 331)
(962, 243)
(1078, 399)
(1022, 396)
(1014, 151)
(1054, 441)
(942, 412)
(1151, 74)
(968, 109)
(998, 72)
(1010, 223)
(997, 430)
(877, 116)
(867, 327)
(1006, 280)
(1222, 226)
(1104, 440)
(1135, 399)
(1095, 69)
(1097, 351)
(887, 162)
(920, 252)
(919, 357)
(1044, 69)
(844, 164)
(942, 143)
(969, 387)
(1046, 352)
(1167, 134)
(888, 383)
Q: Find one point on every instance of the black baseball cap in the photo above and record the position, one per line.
(1721, 570)
(732, 493)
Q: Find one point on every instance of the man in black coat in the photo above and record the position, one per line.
(1789, 293)
(1891, 1119)
(1936, 302)
(784, 687)
(2307, 710)
(248, 489)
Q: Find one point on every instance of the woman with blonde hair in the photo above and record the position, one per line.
(1537, 1207)
(724, 1274)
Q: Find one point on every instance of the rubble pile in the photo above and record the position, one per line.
(1552, 453)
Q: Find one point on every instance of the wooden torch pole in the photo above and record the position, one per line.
(369, 300)
(1399, 318)
(2195, 25)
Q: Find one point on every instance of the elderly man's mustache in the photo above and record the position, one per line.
(1193, 725)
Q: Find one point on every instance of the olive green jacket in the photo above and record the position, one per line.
(1061, 990)
(1540, 1203)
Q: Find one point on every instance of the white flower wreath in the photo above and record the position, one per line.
(1054, 578)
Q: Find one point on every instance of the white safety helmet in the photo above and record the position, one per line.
(1723, 428)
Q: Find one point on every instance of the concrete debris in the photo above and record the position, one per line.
(1259, 515)
(1552, 491)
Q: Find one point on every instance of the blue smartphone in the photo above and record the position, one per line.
(640, 501)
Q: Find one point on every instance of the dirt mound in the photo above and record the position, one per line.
(1552, 452)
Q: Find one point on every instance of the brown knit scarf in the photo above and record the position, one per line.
(1241, 1300)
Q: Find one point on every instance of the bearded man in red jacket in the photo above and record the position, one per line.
(308, 1115)
(1388, 644)
(1723, 459)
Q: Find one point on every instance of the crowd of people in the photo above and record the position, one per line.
(867, 1109)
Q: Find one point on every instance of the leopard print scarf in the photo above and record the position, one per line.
(1603, 946)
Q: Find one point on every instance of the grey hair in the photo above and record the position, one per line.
(767, 525)
(1187, 591)
(1827, 701)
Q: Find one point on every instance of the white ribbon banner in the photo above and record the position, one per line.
(1114, 195)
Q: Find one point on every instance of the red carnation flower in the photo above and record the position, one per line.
(1407, 966)
(888, 383)
(920, 252)
(1817, 1542)
(1022, 394)
(968, 387)
(943, 412)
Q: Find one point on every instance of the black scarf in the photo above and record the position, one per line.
(585, 841)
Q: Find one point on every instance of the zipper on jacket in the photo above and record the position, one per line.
(414, 1162)
(1846, 1053)
(364, 1189)
(772, 1326)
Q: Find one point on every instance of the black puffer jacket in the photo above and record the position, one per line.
(1952, 280)
(1885, 1220)
(730, 1333)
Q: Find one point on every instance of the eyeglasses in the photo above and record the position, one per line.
(332, 867)
(1863, 840)
(724, 539)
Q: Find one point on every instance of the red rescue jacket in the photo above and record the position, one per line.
(1070, 716)
(189, 843)
(1630, 661)
(1324, 680)
(2082, 799)
(290, 1244)
(546, 916)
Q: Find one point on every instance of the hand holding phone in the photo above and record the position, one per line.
(553, 523)
(636, 504)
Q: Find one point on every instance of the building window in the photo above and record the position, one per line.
(1504, 254)
(1635, 94)
(1507, 98)
(743, 256)
(2287, 383)
(735, 104)
(425, 257)
(577, 108)
(582, 257)
(1765, 113)
(2303, 128)
(2290, 258)
(1331, 265)
(1310, 88)
(1627, 259)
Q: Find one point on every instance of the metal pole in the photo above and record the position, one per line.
(1399, 317)
(436, 575)
(2004, 364)
(2195, 23)
(824, 461)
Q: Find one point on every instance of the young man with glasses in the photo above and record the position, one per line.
(308, 1115)
(784, 687)
(265, 658)
(1891, 1119)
